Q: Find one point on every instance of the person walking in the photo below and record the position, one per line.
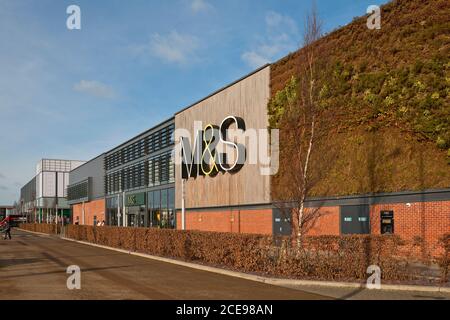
(7, 227)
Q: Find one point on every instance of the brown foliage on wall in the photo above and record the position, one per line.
(387, 95)
(339, 258)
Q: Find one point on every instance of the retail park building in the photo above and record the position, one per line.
(139, 184)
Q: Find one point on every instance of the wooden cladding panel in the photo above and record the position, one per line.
(246, 99)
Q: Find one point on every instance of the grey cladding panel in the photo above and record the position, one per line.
(93, 169)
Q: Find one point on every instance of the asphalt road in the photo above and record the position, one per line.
(34, 267)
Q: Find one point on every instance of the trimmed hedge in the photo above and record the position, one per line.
(41, 228)
(339, 258)
(444, 262)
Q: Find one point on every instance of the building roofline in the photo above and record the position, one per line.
(124, 143)
(224, 88)
(34, 177)
(141, 134)
(89, 161)
(165, 121)
(61, 160)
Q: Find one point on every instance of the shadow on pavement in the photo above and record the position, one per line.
(62, 271)
(16, 262)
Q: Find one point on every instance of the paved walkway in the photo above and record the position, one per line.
(34, 267)
(366, 294)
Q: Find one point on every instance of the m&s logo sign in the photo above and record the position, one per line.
(131, 200)
(202, 158)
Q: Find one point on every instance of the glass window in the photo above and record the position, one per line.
(157, 199)
(150, 199)
(164, 199)
(171, 198)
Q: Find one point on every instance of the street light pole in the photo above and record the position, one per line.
(62, 221)
(124, 217)
(82, 214)
(56, 217)
(183, 208)
(118, 210)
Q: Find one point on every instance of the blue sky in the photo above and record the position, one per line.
(73, 94)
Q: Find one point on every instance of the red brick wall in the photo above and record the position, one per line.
(236, 221)
(428, 220)
(91, 209)
(327, 222)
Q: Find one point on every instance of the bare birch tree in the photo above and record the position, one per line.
(305, 131)
(305, 126)
(309, 104)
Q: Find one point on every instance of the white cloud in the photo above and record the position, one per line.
(174, 47)
(200, 5)
(276, 20)
(280, 38)
(95, 88)
(254, 59)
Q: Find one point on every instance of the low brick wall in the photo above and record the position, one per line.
(333, 258)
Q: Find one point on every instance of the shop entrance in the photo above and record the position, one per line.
(135, 216)
(135, 210)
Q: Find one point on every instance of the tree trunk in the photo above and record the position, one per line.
(305, 184)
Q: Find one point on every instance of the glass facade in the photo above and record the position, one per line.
(157, 170)
(78, 192)
(142, 164)
(155, 210)
(147, 145)
(161, 208)
(142, 175)
(54, 165)
(112, 205)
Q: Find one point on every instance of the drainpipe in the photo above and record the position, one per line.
(183, 208)
(82, 214)
(118, 210)
(62, 221)
(56, 217)
(239, 221)
(123, 211)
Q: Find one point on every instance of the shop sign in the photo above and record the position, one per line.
(135, 200)
(202, 159)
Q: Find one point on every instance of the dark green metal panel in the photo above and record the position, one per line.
(355, 219)
(135, 200)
